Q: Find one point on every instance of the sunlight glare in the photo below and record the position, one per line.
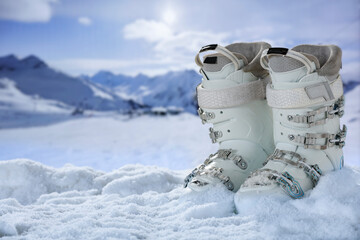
(169, 16)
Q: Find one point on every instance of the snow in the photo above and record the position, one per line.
(99, 93)
(107, 142)
(142, 202)
(11, 97)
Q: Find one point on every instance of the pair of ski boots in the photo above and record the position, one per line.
(275, 114)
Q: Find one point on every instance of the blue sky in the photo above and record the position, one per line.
(152, 37)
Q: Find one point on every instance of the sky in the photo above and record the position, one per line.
(153, 37)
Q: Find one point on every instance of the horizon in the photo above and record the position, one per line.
(162, 36)
(101, 70)
(347, 80)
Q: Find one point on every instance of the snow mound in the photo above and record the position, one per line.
(329, 211)
(141, 202)
(27, 180)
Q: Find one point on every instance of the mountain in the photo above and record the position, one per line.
(171, 90)
(32, 76)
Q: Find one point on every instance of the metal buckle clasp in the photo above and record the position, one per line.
(339, 139)
(214, 135)
(205, 116)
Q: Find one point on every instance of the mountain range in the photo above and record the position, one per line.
(106, 91)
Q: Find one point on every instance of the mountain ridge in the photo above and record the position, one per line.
(106, 90)
(34, 77)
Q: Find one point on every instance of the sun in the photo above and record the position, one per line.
(169, 16)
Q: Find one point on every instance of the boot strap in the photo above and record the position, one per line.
(295, 159)
(225, 154)
(232, 96)
(309, 141)
(336, 109)
(220, 49)
(302, 97)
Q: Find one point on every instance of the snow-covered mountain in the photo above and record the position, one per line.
(34, 77)
(103, 91)
(173, 89)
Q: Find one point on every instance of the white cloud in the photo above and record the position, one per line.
(26, 10)
(177, 48)
(171, 50)
(85, 21)
(149, 30)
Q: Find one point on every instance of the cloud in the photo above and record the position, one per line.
(26, 10)
(85, 21)
(177, 48)
(149, 30)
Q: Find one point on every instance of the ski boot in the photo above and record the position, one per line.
(306, 97)
(232, 98)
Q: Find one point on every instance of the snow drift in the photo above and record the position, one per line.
(142, 202)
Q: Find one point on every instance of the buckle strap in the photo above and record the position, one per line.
(318, 93)
(205, 116)
(312, 171)
(284, 180)
(310, 139)
(336, 109)
(213, 172)
(288, 184)
(230, 97)
(226, 154)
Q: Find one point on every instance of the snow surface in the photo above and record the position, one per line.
(107, 142)
(142, 202)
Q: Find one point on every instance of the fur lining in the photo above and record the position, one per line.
(329, 57)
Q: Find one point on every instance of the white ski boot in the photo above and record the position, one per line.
(306, 97)
(232, 98)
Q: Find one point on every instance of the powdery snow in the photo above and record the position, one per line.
(142, 202)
